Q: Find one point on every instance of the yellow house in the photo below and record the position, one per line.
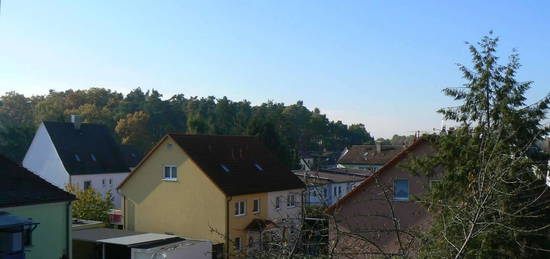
(225, 189)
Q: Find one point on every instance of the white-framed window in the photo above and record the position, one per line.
(334, 192)
(103, 182)
(240, 208)
(87, 185)
(237, 243)
(170, 172)
(401, 189)
(291, 200)
(278, 202)
(339, 190)
(110, 181)
(256, 206)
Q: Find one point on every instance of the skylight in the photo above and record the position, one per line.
(93, 157)
(77, 157)
(258, 167)
(225, 168)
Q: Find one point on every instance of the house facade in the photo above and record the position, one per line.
(226, 189)
(324, 188)
(35, 216)
(81, 154)
(368, 157)
(364, 213)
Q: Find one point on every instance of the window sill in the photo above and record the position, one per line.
(240, 215)
(170, 179)
(255, 212)
(401, 199)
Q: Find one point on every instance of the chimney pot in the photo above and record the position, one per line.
(378, 147)
(75, 119)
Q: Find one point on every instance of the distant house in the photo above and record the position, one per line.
(368, 157)
(366, 212)
(226, 189)
(82, 154)
(325, 187)
(35, 216)
(317, 160)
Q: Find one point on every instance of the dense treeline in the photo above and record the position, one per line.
(142, 118)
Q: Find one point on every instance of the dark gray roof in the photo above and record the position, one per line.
(131, 154)
(88, 150)
(238, 164)
(19, 187)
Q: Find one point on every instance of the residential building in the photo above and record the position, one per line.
(35, 216)
(325, 187)
(226, 189)
(368, 157)
(82, 154)
(366, 212)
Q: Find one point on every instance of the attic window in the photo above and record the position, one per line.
(258, 167)
(225, 168)
(93, 157)
(77, 157)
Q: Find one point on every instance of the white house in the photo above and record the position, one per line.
(82, 154)
(327, 186)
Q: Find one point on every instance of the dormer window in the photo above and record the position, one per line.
(76, 157)
(93, 157)
(225, 168)
(260, 168)
(366, 154)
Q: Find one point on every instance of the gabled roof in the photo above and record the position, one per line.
(236, 164)
(367, 154)
(19, 187)
(390, 164)
(131, 154)
(90, 149)
(249, 166)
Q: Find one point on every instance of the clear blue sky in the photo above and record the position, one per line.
(381, 63)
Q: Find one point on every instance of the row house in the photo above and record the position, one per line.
(226, 189)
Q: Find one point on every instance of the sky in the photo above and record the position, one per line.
(380, 63)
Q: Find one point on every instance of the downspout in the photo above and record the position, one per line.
(227, 240)
(69, 227)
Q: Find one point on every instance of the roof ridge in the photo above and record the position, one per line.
(209, 135)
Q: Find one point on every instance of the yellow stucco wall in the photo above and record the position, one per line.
(237, 224)
(188, 207)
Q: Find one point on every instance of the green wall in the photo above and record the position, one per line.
(49, 239)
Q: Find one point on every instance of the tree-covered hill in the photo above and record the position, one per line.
(142, 118)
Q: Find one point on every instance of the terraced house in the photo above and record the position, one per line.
(226, 189)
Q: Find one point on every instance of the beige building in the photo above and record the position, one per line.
(226, 189)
